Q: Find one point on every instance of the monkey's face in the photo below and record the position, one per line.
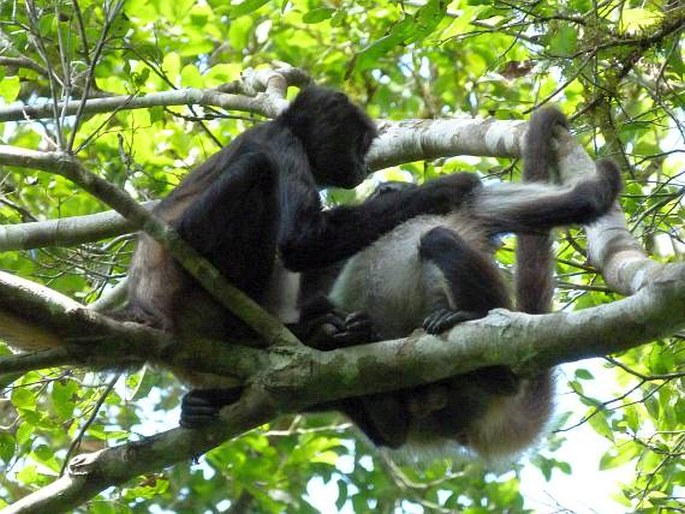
(338, 151)
(336, 134)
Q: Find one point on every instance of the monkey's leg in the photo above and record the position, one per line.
(234, 224)
(464, 283)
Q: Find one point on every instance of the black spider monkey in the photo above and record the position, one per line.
(253, 210)
(437, 271)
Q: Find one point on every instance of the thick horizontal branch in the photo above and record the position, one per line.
(34, 316)
(68, 231)
(414, 140)
(299, 377)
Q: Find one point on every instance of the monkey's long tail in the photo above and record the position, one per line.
(534, 277)
(534, 272)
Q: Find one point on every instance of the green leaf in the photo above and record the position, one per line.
(7, 446)
(142, 383)
(318, 15)
(408, 30)
(24, 433)
(653, 406)
(22, 398)
(633, 20)
(675, 61)
(679, 410)
(46, 456)
(139, 79)
(156, 114)
(172, 66)
(222, 73)
(152, 487)
(239, 32)
(600, 424)
(28, 474)
(247, 7)
(64, 395)
(564, 40)
(191, 77)
(9, 88)
(618, 456)
(200, 16)
(583, 374)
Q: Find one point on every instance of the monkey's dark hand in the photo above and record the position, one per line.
(449, 192)
(318, 332)
(330, 331)
(202, 406)
(358, 330)
(444, 319)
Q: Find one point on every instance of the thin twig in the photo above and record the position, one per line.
(77, 440)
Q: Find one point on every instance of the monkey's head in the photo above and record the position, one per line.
(336, 135)
(488, 412)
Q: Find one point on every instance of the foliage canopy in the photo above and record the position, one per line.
(615, 67)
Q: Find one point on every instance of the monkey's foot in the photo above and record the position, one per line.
(202, 406)
(444, 319)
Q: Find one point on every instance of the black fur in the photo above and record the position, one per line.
(253, 210)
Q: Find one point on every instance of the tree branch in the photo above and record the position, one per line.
(413, 140)
(23, 362)
(266, 87)
(68, 231)
(299, 377)
(187, 96)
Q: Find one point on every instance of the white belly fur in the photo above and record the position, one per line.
(282, 293)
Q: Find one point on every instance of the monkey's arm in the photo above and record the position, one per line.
(311, 238)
